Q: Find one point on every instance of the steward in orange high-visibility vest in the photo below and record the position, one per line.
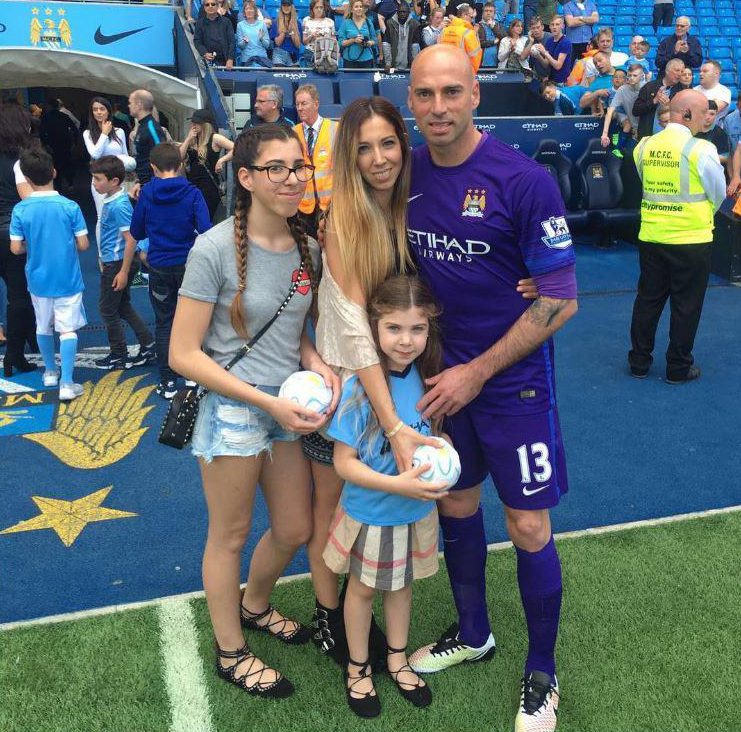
(319, 189)
(462, 34)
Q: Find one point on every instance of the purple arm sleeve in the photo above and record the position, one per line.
(559, 284)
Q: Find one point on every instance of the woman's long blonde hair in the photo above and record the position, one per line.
(292, 24)
(202, 140)
(371, 241)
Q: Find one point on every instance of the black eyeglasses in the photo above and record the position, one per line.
(280, 173)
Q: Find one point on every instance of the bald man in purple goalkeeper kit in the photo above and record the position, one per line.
(481, 217)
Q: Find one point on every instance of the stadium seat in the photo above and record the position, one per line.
(603, 188)
(351, 89)
(727, 78)
(325, 87)
(331, 111)
(395, 90)
(549, 155)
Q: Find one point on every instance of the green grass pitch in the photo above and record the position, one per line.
(650, 640)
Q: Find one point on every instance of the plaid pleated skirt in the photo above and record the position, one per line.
(383, 557)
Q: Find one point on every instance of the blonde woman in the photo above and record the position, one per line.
(284, 34)
(365, 243)
(201, 151)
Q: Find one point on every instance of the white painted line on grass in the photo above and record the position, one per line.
(498, 546)
(183, 668)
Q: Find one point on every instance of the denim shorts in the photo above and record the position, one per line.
(227, 427)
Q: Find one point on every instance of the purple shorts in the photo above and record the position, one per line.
(523, 454)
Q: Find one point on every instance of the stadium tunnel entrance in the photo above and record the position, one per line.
(25, 68)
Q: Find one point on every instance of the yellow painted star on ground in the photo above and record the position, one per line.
(69, 518)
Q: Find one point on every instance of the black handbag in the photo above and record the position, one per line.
(177, 428)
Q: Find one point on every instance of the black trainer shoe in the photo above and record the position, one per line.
(167, 389)
(113, 363)
(144, 356)
(539, 699)
(692, 374)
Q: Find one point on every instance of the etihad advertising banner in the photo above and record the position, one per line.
(139, 33)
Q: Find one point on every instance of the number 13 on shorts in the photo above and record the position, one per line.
(534, 463)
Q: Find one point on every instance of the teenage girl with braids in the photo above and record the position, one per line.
(237, 276)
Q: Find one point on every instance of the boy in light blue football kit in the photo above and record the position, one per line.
(116, 251)
(51, 230)
(481, 218)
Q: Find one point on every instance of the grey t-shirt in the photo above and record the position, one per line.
(211, 276)
(623, 101)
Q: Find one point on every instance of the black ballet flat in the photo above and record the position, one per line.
(368, 705)
(418, 694)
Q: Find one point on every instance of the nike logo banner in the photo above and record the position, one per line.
(103, 40)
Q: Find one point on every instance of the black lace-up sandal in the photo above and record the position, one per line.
(276, 625)
(418, 694)
(251, 680)
(368, 705)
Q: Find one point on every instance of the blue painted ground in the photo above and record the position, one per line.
(636, 449)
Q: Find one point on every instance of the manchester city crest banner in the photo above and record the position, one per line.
(139, 33)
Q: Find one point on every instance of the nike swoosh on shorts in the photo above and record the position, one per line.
(411, 198)
(526, 492)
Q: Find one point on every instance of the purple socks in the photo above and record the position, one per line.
(464, 546)
(539, 578)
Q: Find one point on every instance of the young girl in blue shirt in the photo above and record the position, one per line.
(384, 532)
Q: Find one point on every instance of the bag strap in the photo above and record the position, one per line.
(245, 349)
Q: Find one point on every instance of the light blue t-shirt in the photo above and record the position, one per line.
(49, 224)
(732, 125)
(642, 62)
(363, 504)
(115, 219)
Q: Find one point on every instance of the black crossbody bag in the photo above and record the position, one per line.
(177, 428)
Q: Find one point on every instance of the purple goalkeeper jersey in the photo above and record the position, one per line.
(474, 230)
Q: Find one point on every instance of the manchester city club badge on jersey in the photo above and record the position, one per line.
(474, 203)
(557, 235)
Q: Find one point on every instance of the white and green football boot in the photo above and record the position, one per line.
(539, 699)
(449, 651)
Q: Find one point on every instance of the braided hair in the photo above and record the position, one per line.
(246, 151)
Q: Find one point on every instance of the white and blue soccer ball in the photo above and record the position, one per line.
(445, 464)
(308, 389)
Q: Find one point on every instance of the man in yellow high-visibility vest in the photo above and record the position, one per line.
(683, 187)
(317, 141)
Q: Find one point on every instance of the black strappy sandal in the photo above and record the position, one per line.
(418, 694)
(278, 689)
(277, 628)
(368, 705)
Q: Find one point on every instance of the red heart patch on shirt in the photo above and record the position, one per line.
(303, 279)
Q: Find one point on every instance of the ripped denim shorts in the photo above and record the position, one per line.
(227, 427)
